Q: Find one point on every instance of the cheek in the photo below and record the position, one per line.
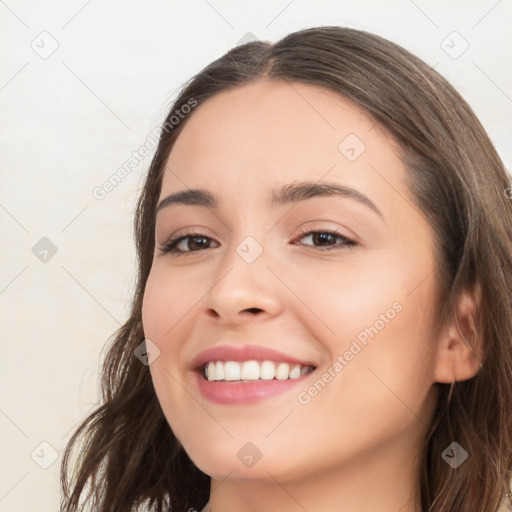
(167, 310)
(358, 299)
(377, 391)
(377, 325)
(167, 302)
(153, 305)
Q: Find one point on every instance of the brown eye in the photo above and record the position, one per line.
(185, 244)
(327, 239)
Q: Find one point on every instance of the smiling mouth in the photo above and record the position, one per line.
(253, 370)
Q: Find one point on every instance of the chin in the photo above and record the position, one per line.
(244, 460)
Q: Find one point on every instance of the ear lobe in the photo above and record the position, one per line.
(460, 345)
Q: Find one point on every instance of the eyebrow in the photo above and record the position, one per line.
(288, 194)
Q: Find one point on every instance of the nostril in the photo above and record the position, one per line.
(253, 310)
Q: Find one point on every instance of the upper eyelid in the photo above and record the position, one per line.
(303, 233)
(304, 229)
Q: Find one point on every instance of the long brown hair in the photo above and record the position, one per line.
(127, 454)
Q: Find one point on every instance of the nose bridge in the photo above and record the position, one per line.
(248, 245)
(245, 264)
(244, 282)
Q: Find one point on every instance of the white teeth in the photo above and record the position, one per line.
(219, 370)
(267, 370)
(232, 371)
(295, 371)
(253, 370)
(250, 370)
(210, 371)
(282, 371)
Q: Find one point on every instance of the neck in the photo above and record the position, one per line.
(380, 481)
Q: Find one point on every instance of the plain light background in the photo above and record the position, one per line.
(71, 118)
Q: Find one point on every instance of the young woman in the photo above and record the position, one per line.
(323, 316)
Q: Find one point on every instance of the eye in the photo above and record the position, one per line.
(193, 241)
(327, 239)
(184, 244)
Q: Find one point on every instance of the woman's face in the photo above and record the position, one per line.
(306, 242)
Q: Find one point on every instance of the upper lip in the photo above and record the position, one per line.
(244, 353)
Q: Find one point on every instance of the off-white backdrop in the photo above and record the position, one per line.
(82, 85)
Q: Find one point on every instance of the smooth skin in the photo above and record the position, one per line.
(355, 445)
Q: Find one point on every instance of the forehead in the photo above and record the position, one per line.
(274, 113)
(266, 133)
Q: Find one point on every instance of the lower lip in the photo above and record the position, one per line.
(225, 392)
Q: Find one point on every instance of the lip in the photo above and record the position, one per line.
(244, 353)
(242, 393)
(226, 392)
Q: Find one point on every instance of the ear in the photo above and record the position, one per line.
(460, 345)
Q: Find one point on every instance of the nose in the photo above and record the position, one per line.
(243, 291)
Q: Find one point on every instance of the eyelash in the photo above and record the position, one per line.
(170, 246)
